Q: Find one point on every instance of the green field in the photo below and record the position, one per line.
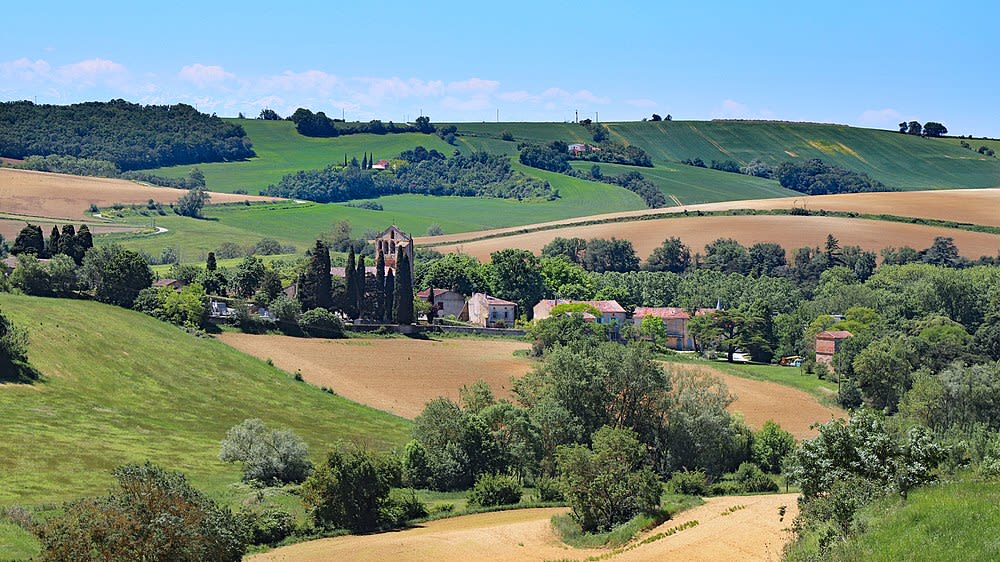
(281, 150)
(299, 224)
(947, 522)
(692, 185)
(904, 161)
(119, 387)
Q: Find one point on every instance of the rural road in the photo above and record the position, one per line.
(744, 528)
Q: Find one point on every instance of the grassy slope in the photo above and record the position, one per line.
(951, 522)
(122, 387)
(281, 150)
(903, 161)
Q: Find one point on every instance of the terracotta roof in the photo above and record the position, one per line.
(437, 293)
(165, 282)
(495, 300)
(834, 335)
(665, 312)
(606, 306)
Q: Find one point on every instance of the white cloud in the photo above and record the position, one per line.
(474, 85)
(203, 75)
(24, 69)
(880, 117)
(644, 103)
(91, 71)
(311, 81)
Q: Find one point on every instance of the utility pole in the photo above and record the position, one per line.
(597, 118)
(498, 115)
(576, 116)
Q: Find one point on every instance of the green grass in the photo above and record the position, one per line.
(16, 543)
(163, 270)
(793, 377)
(119, 387)
(948, 522)
(693, 185)
(281, 150)
(903, 161)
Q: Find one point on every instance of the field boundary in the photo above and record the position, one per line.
(970, 227)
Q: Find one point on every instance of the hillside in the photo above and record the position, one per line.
(903, 161)
(119, 386)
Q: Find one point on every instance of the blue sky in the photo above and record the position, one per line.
(862, 63)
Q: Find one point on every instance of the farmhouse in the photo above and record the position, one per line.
(827, 344)
(675, 320)
(448, 302)
(611, 311)
(380, 165)
(491, 312)
(174, 284)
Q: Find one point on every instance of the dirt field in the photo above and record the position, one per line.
(759, 401)
(397, 375)
(10, 227)
(43, 194)
(789, 231)
(752, 532)
(358, 369)
(976, 206)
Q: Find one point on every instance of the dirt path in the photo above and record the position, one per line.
(397, 375)
(759, 401)
(752, 531)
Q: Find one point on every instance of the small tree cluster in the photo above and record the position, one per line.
(268, 455)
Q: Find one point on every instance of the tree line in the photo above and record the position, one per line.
(104, 169)
(311, 124)
(130, 136)
(416, 171)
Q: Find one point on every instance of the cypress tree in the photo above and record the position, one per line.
(29, 240)
(314, 283)
(84, 238)
(379, 296)
(350, 279)
(388, 305)
(404, 291)
(68, 244)
(53, 245)
(364, 161)
(345, 159)
(210, 263)
(430, 300)
(360, 286)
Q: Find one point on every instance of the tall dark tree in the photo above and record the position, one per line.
(68, 244)
(30, 240)
(360, 285)
(210, 263)
(379, 296)
(832, 250)
(351, 281)
(85, 238)
(52, 247)
(404, 291)
(389, 298)
(672, 255)
(315, 284)
(364, 161)
(432, 313)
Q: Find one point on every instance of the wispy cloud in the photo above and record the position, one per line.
(204, 75)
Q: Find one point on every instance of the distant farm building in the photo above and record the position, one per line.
(491, 312)
(611, 311)
(174, 284)
(380, 165)
(828, 344)
(448, 302)
(675, 320)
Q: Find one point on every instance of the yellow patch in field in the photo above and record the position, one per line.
(831, 148)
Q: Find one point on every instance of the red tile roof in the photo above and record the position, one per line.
(665, 312)
(437, 293)
(607, 307)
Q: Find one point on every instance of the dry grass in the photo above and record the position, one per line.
(44, 194)
(789, 231)
(397, 375)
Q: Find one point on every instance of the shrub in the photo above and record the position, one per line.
(270, 526)
(548, 490)
(151, 514)
(688, 482)
(350, 490)
(770, 445)
(495, 489)
(321, 323)
(752, 479)
(402, 506)
(415, 471)
(268, 456)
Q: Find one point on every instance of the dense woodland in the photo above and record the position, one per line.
(129, 135)
(818, 178)
(311, 124)
(416, 171)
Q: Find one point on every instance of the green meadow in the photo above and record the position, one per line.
(118, 387)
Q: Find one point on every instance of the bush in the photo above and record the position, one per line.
(752, 479)
(688, 482)
(270, 526)
(495, 489)
(402, 506)
(415, 471)
(321, 323)
(151, 514)
(770, 445)
(268, 456)
(350, 490)
(548, 490)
